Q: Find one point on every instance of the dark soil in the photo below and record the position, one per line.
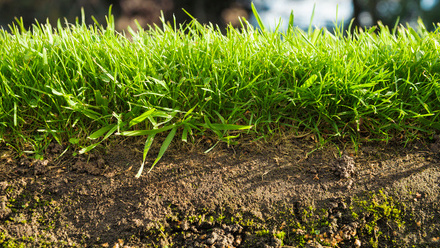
(284, 193)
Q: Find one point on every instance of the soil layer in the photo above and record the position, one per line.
(284, 193)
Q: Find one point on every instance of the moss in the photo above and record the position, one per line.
(382, 215)
(377, 213)
(280, 235)
(262, 233)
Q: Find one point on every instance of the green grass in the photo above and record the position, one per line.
(75, 81)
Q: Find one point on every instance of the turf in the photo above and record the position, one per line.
(78, 81)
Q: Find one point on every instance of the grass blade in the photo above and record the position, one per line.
(15, 114)
(142, 117)
(147, 146)
(186, 129)
(291, 21)
(148, 132)
(229, 127)
(88, 148)
(112, 130)
(257, 16)
(309, 31)
(100, 132)
(164, 146)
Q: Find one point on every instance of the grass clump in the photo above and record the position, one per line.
(62, 82)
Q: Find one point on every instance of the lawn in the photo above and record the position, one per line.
(266, 138)
(79, 84)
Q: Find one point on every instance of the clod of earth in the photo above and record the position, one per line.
(344, 166)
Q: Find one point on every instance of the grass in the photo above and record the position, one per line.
(75, 81)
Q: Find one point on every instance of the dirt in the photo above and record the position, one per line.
(286, 192)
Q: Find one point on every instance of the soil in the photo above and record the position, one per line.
(288, 192)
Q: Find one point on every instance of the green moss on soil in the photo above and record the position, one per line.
(378, 216)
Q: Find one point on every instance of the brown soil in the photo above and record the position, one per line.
(284, 193)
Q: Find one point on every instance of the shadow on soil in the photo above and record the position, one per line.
(281, 194)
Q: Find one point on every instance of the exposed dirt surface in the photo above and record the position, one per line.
(286, 193)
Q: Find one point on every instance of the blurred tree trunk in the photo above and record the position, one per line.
(356, 13)
(372, 8)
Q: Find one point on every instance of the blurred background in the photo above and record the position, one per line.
(223, 12)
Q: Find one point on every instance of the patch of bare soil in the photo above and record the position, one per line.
(280, 194)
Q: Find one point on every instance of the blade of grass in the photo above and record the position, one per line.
(112, 130)
(164, 147)
(149, 132)
(147, 146)
(141, 118)
(290, 27)
(310, 29)
(257, 17)
(100, 132)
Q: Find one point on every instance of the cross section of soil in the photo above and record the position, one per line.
(284, 193)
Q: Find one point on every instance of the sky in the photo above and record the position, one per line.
(271, 11)
(326, 12)
(428, 4)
